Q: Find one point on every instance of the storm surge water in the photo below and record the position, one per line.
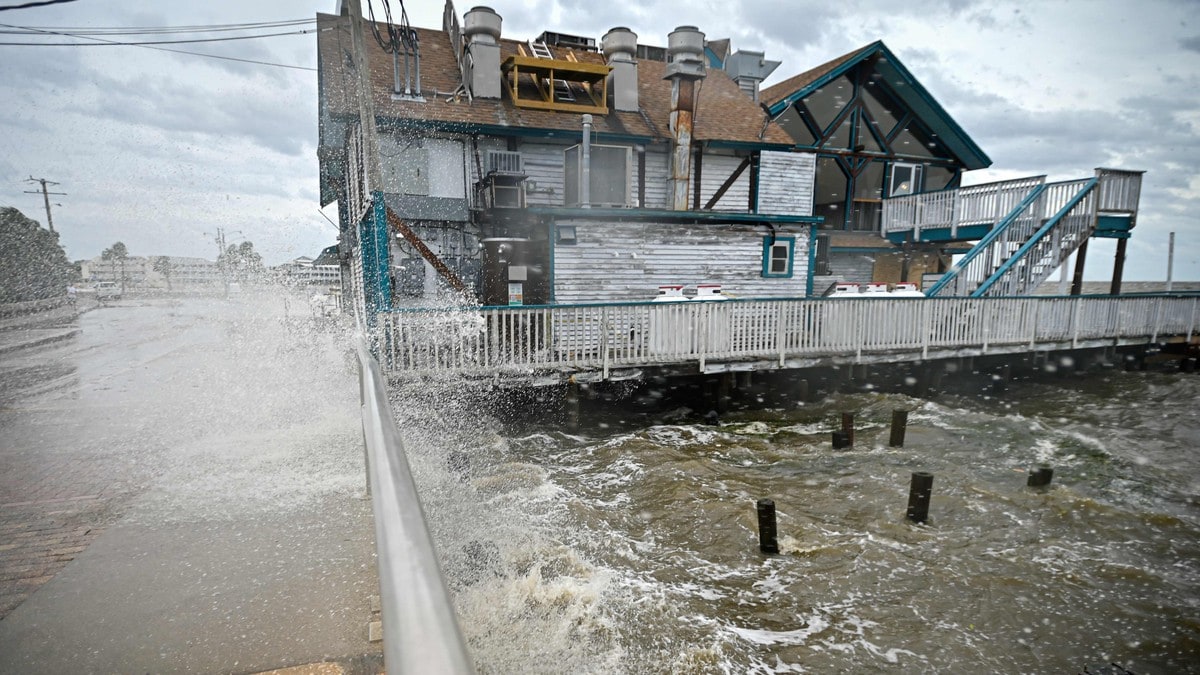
(631, 547)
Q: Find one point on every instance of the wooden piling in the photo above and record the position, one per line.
(848, 426)
(841, 440)
(899, 426)
(571, 404)
(767, 534)
(1040, 477)
(919, 493)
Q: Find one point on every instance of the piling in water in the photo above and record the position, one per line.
(1040, 477)
(766, 527)
(571, 404)
(899, 426)
(919, 493)
(841, 440)
(848, 425)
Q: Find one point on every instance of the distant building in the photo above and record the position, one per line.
(305, 271)
(186, 273)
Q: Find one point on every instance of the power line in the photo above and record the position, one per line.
(113, 43)
(155, 30)
(46, 196)
(175, 51)
(39, 3)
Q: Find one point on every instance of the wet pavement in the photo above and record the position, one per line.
(182, 490)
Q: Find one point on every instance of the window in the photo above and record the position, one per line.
(906, 179)
(778, 253)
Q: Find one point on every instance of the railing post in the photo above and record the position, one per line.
(700, 317)
(781, 332)
(926, 319)
(604, 330)
(1075, 323)
(1033, 328)
(1192, 323)
(987, 325)
(1157, 318)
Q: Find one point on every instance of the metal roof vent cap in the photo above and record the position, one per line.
(685, 51)
(482, 24)
(619, 44)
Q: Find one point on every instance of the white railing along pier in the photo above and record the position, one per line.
(543, 344)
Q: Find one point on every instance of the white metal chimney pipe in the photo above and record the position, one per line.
(585, 159)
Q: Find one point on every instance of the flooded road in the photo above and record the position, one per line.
(632, 546)
(182, 490)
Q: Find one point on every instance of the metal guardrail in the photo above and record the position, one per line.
(575, 338)
(420, 629)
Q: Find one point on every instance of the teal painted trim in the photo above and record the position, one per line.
(941, 234)
(666, 215)
(825, 79)
(1112, 235)
(812, 261)
(713, 61)
(744, 145)
(1037, 236)
(768, 241)
(954, 136)
(1113, 224)
(377, 285)
(987, 240)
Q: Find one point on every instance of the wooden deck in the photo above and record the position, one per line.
(545, 345)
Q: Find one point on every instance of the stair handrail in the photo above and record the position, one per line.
(1037, 236)
(987, 240)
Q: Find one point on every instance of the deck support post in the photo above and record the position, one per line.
(724, 392)
(571, 405)
(1080, 259)
(1118, 267)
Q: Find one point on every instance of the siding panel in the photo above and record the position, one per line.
(785, 183)
(618, 262)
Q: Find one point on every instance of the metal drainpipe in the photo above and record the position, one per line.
(585, 171)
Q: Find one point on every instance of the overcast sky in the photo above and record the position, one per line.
(159, 150)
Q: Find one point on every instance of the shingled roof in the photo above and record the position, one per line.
(725, 114)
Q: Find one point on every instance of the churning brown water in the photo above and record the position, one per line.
(632, 546)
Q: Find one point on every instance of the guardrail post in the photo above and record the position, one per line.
(604, 330)
(926, 319)
(1157, 318)
(700, 316)
(1192, 323)
(781, 332)
(1075, 323)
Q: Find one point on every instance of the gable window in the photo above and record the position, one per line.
(906, 179)
(778, 255)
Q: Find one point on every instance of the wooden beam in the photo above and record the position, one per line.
(411, 237)
(1080, 259)
(1118, 268)
(727, 184)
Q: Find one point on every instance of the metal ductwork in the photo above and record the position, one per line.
(620, 47)
(685, 56)
(481, 27)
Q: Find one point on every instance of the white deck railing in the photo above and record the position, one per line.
(985, 204)
(527, 341)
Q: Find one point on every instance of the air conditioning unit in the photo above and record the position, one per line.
(611, 176)
(504, 161)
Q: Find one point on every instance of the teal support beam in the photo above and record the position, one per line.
(377, 284)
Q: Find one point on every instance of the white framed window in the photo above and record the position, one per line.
(778, 256)
(906, 179)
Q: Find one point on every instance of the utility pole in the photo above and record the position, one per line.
(45, 197)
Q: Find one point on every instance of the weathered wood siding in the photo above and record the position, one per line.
(785, 183)
(657, 175)
(714, 171)
(622, 261)
(544, 166)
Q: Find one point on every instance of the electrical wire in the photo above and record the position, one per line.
(165, 49)
(39, 3)
(112, 43)
(157, 30)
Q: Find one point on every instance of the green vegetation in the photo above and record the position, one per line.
(34, 266)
